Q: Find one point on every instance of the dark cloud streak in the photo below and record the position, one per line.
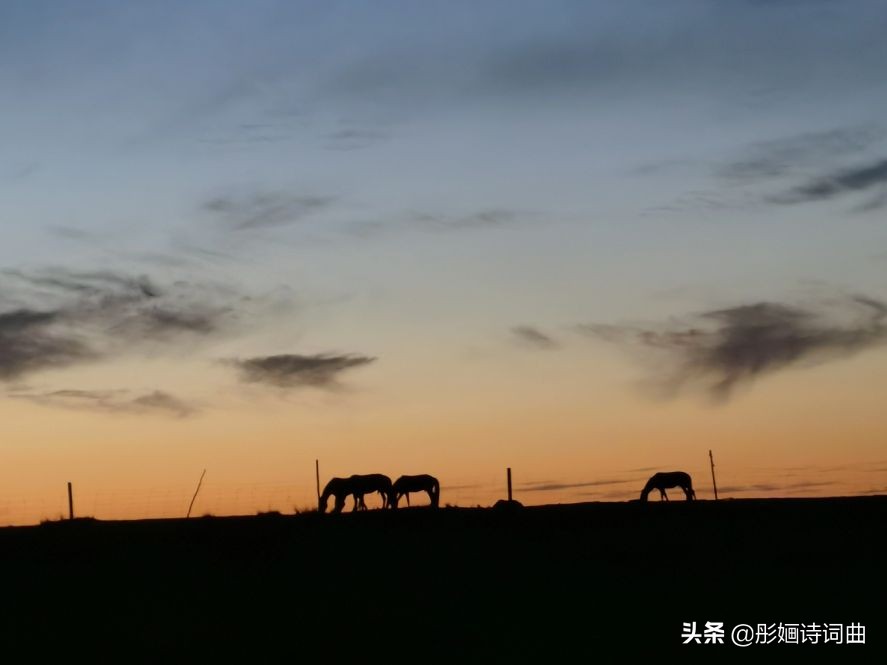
(725, 349)
(784, 156)
(534, 337)
(265, 209)
(859, 179)
(28, 343)
(295, 371)
(553, 486)
(112, 401)
(77, 317)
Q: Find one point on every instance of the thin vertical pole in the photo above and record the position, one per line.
(713, 483)
(70, 502)
(509, 483)
(317, 474)
(199, 483)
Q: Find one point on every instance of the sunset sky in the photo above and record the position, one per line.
(586, 240)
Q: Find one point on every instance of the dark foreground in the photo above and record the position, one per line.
(547, 584)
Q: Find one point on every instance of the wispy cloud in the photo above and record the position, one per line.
(548, 486)
(730, 51)
(785, 156)
(28, 343)
(354, 139)
(874, 490)
(724, 349)
(870, 177)
(535, 338)
(21, 171)
(775, 487)
(55, 318)
(72, 233)
(436, 222)
(480, 219)
(263, 209)
(93, 283)
(111, 401)
(295, 371)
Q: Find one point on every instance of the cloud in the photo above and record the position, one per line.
(112, 401)
(265, 209)
(534, 337)
(798, 156)
(483, 218)
(28, 343)
(724, 349)
(858, 179)
(774, 487)
(740, 52)
(294, 371)
(55, 318)
(72, 233)
(21, 171)
(551, 486)
(95, 283)
(435, 222)
(455, 488)
(874, 490)
(354, 139)
(159, 401)
(779, 157)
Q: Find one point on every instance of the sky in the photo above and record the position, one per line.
(584, 240)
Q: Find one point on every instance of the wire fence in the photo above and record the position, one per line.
(223, 499)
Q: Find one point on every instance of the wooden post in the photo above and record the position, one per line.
(509, 484)
(317, 474)
(199, 483)
(713, 483)
(70, 502)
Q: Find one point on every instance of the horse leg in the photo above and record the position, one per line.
(664, 495)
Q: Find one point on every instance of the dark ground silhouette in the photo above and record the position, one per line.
(567, 583)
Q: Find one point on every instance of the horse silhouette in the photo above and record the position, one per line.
(421, 483)
(661, 481)
(357, 486)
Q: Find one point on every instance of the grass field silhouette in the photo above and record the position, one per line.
(547, 583)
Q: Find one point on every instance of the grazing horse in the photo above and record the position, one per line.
(373, 482)
(357, 486)
(660, 481)
(422, 483)
(339, 488)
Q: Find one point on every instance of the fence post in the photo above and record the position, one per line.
(713, 483)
